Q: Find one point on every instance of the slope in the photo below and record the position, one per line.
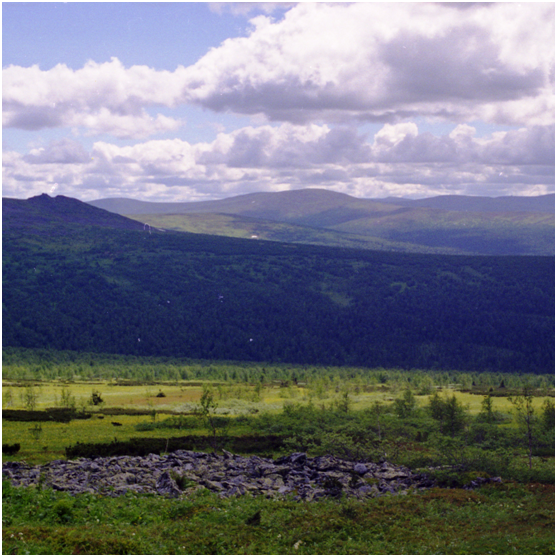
(110, 290)
(49, 215)
(490, 228)
(237, 226)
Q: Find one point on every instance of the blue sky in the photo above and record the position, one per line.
(195, 101)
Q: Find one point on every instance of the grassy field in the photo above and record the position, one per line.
(351, 411)
(507, 519)
(44, 441)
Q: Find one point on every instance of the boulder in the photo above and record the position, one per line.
(167, 486)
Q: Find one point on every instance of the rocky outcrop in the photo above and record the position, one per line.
(179, 473)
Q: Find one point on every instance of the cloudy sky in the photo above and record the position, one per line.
(196, 101)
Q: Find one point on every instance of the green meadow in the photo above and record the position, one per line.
(453, 425)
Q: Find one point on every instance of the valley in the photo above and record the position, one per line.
(156, 351)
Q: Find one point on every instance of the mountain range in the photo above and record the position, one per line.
(77, 277)
(445, 224)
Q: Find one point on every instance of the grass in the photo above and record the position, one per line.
(182, 396)
(44, 441)
(505, 519)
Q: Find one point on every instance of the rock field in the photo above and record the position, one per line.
(181, 472)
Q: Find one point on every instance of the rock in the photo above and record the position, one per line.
(298, 458)
(393, 474)
(360, 469)
(214, 486)
(167, 486)
(227, 474)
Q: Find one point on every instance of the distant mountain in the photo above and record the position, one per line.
(50, 214)
(448, 224)
(238, 226)
(289, 204)
(538, 204)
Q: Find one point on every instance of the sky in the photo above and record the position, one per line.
(197, 101)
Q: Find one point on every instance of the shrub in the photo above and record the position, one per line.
(63, 510)
(142, 446)
(10, 450)
(96, 398)
(548, 415)
(183, 482)
(63, 415)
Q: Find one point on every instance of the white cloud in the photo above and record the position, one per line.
(525, 146)
(103, 98)
(328, 62)
(63, 151)
(387, 62)
(245, 8)
(398, 160)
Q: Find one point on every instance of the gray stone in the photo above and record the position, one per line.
(360, 469)
(228, 474)
(167, 486)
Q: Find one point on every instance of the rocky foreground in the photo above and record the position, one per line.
(183, 472)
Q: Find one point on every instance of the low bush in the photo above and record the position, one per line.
(144, 446)
(63, 415)
(10, 450)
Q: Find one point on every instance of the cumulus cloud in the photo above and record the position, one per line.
(398, 160)
(387, 62)
(525, 146)
(63, 151)
(245, 8)
(103, 98)
(330, 62)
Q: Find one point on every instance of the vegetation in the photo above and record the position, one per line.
(196, 296)
(449, 224)
(506, 519)
(418, 419)
(125, 341)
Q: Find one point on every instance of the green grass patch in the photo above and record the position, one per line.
(509, 519)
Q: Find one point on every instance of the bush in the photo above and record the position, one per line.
(144, 446)
(405, 406)
(454, 479)
(63, 415)
(10, 450)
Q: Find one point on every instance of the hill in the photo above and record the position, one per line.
(444, 224)
(107, 289)
(481, 204)
(49, 215)
(237, 226)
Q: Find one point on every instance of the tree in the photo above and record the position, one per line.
(548, 415)
(30, 397)
(487, 413)
(7, 397)
(96, 398)
(207, 410)
(525, 415)
(405, 406)
(450, 413)
(67, 400)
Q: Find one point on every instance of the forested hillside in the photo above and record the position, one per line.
(108, 290)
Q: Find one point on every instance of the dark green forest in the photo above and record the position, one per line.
(152, 293)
